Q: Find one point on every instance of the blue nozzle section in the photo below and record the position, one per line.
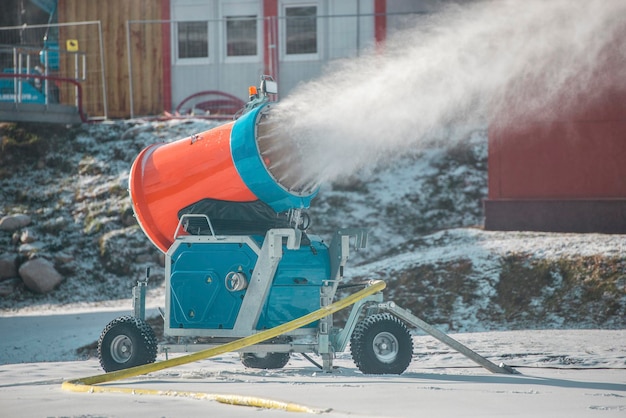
(253, 171)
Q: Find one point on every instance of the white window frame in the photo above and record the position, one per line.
(190, 61)
(192, 11)
(283, 30)
(241, 9)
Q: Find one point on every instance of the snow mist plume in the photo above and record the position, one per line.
(452, 67)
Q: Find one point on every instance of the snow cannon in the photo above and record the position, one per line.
(243, 272)
(241, 173)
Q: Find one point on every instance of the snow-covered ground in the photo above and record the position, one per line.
(434, 256)
(551, 305)
(564, 373)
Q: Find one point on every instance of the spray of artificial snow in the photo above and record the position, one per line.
(452, 67)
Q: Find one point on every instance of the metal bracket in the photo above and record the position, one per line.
(139, 297)
(342, 337)
(339, 251)
(263, 275)
(184, 222)
(409, 318)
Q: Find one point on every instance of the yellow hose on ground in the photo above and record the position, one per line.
(87, 384)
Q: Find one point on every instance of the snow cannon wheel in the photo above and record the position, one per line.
(265, 360)
(381, 344)
(126, 342)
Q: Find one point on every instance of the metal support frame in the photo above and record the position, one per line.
(329, 340)
(325, 348)
(339, 251)
(411, 319)
(263, 275)
(139, 297)
(341, 338)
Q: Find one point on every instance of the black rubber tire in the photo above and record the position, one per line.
(126, 342)
(265, 361)
(381, 344)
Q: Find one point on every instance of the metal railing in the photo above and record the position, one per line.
(67, 59)
(77, 85)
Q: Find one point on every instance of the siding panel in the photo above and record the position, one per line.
(113, 15)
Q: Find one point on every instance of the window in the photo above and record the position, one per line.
(241, 36)
(193, 40)
(301, 30)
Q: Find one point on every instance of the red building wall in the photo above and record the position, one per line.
(565, 172)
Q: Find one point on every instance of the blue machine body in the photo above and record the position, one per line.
(253, 171)
(200, 299)
(30, 93)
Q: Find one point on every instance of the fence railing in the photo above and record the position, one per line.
(167, 63)
(19, 79)
(55, 64)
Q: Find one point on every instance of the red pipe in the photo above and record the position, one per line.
(234, 99)
(380, 22)
(79, 87)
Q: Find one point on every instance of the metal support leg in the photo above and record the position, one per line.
(408, 317)
(139, 297)
(325, 325)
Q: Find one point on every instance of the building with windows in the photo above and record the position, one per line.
(291, 40)
(146, 57)
(174, 55)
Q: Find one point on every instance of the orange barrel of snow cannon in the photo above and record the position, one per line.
(246, 160)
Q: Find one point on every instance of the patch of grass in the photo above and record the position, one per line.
(593, 286)
(53, 226)
(118, 190)
(21, 142)
(432, 290)
(89, 166)
(351, 184)
(521, 282)
(337, 202)
(587, 289)
(16, 136)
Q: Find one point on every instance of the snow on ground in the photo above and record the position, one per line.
(422, 210)
(564, 373)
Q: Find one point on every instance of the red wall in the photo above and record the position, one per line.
(571, 159)
(563, 167)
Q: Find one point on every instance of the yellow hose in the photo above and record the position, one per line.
(87, 384)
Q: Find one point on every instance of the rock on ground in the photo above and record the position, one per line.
(39, 275)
